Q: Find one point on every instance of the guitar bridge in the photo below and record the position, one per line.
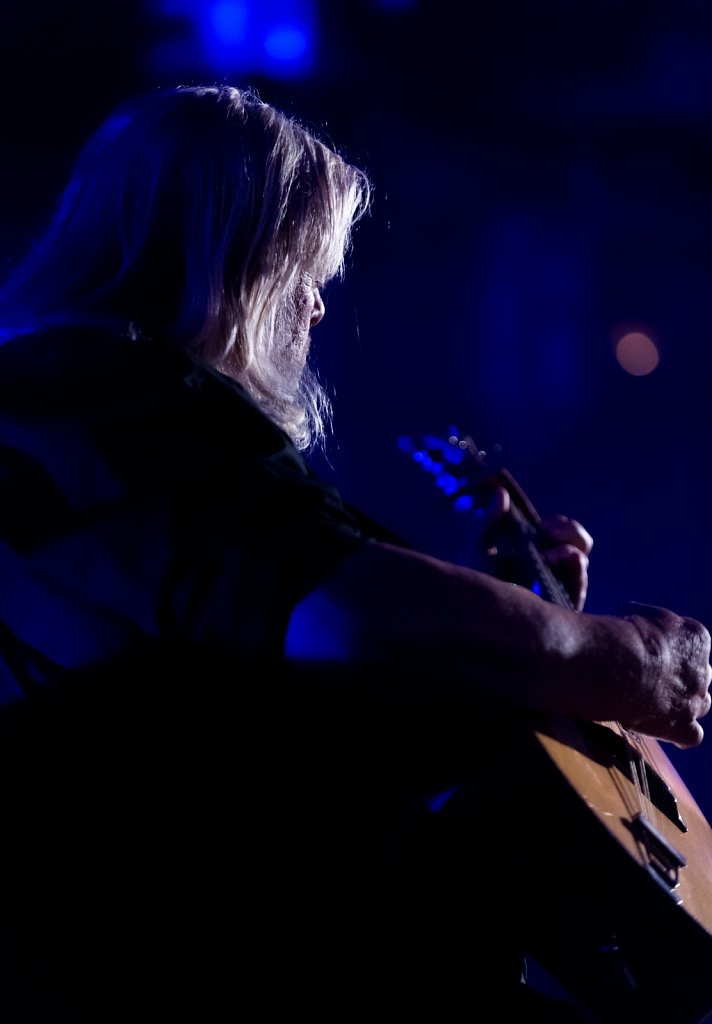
(664, 861)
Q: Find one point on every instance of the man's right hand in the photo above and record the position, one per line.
(678, 675)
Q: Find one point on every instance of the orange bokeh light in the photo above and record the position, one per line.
(637, 354)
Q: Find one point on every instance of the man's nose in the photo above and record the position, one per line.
(319, 309)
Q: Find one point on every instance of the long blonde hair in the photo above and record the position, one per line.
(191, 214)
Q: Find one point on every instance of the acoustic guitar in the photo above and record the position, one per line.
(614, 852)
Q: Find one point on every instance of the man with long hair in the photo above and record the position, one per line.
(223, 695)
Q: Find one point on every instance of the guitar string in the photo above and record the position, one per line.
(636, 765)
(633, 745)
(527, 522)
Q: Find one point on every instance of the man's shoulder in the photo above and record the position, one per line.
(99, 373)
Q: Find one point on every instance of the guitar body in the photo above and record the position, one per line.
(617, 895)
(611, 866)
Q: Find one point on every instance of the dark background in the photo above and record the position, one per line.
(542, 185)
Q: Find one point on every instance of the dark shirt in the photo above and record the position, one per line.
(156, 530)
(146, 498)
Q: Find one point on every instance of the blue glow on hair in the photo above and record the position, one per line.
(113, 126)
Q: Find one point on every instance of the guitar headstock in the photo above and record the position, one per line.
(465, 473)
(469, 479)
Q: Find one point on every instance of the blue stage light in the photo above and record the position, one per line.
(229, 20)
(271, 37)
